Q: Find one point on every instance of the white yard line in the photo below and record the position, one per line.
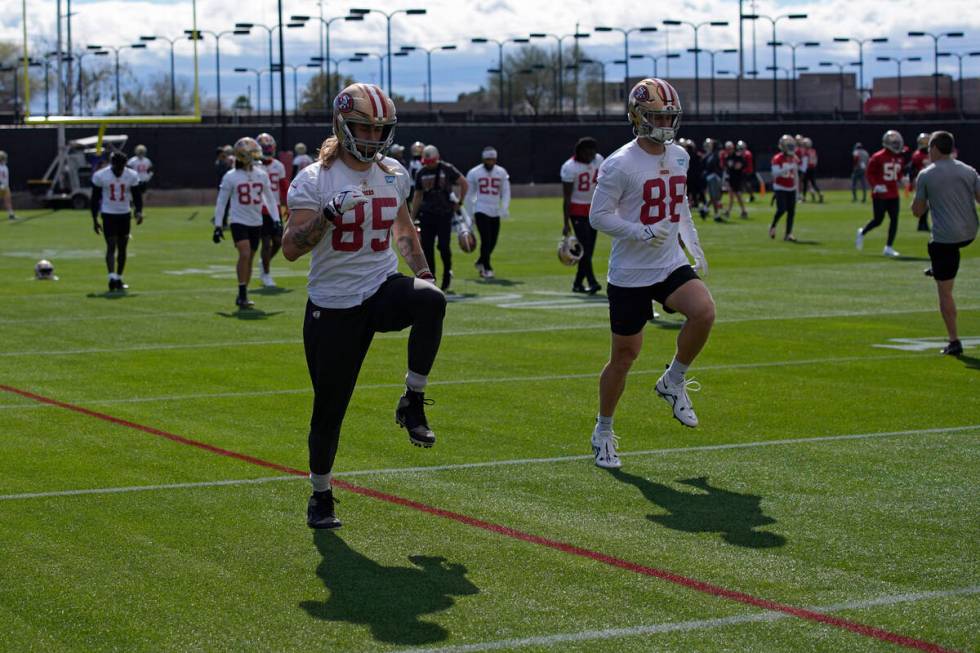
(687, 626)
(503, 463)
(504, 379)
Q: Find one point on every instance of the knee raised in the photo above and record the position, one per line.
(432, 300)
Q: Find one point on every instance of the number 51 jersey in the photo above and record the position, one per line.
(354, 257)
(642, 189)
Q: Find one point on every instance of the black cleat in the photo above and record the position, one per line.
(927, 272)
(244, 303)
(593, 289)
(578, 288)
(954, 348)
(447, 279)
(319, 511)
(112, 285)
(410, 413)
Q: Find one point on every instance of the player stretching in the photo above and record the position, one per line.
(641, 201)
(247, 188)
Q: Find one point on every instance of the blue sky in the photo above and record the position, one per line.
(456, 21)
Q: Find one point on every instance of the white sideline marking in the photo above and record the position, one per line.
(682, 626)
(504, 379)
(145, 488)
(500, 463)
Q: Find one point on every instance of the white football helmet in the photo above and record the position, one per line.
(43, 270)
(396, 151)
(140, 150)
(892, 141)
(268, 144)
(3, 156)
(650, 99)
(787, 144)
(741, 146)
(922, 141)
(365, 104)
(430, 155)
(299, 149)
(416, 149)
(570, 250)
(247, 152)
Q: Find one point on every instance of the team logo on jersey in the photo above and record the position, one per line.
(390, 179)
(680, 162)
(641, 93)
(345, 103)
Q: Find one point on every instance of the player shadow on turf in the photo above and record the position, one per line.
(274, 290)
(911, 258)
(389, 600)
(20, 221)
(971, 362)
(712, 510)
(805, 242)
(249, 314)
(497, 281)
(111, 294)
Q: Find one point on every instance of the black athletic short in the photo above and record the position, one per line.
(241, 232)
(116, 225)
(269, 227)
(631, 308)
(945, 259)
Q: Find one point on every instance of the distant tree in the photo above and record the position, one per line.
(152, 96)
(314, 95)
(242, 103)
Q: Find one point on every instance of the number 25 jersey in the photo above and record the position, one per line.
(637, 189)
(354, 257)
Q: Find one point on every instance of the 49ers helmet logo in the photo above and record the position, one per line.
(641, 93)
(345, 103)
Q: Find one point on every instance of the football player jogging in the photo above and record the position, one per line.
(345, 209)
(113, 188)
(920, 159)
(884, 172)
(579, 176)
(735, 167)
(489, 202)
(785, 174)
(143, 167)
(808, 171)
(247, 188)
(951, 189)
(434, 206)
(271, 226)
(5, 186)
(641, 203)
(859, 166)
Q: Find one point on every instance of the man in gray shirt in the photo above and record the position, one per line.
(950, 189)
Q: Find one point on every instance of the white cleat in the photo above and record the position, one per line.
(489, 274)
(859, 240)
(676, 396)
(481, 269)
(890, 251)
(604, 445)
(267, 280)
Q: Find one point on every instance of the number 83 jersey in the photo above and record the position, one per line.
(637, 189)
(354, 257)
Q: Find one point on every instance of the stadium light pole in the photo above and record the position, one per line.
(258, 85)
(217, 53)
(173, 84)
(960, 78)
(325, 40)
(935, 55)
(655, 58)
(116, 49)
(792, 47)
(381, 65)
(81, 74)
(718, 73)
(860, 42)
(840, 70)
(712, 53)
(388, 16)
(500, 58)
(696, 51)
(428, 64)
(626, 47)
(774, 66)
(272, 65)
(560, 79)
(898, 61)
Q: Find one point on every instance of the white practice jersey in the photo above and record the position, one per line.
(354, 257)
(248, 191)
(489, 190)
(142, 166)
(637, 189)
(583, 178)
(277, 172)
(4, 176)
(302, 161)
(116, 191)
(413, 167)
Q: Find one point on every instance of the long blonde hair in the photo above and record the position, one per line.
(330, 152)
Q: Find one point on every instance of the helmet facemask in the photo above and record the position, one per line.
(652, 103)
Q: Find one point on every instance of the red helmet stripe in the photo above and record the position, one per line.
(374, 103)
(381, 100)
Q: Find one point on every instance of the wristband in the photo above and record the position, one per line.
(425, 275)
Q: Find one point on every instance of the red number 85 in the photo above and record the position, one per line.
(656, 196)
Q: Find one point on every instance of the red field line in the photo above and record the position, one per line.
(571, 549)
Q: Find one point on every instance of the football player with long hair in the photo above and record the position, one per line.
(345, 209)
(247, 189)
(641, 202)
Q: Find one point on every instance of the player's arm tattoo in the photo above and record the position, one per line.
(303, 235)
(407, 241)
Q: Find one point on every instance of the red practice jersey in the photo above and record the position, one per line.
(885, 169)
(785, 172)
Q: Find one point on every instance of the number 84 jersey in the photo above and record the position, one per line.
(637, 189)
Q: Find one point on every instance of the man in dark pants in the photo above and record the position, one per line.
(433, 208)
(113, 187)
(884, 171)
(951, 189)
(579, 176)
(345, 210)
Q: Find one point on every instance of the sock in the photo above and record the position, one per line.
(242, 290)
(675, 373)
(321, 482)
(415, 381)
(113, 276)
(603, 423)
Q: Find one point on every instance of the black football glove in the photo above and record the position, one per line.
(218, 235)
